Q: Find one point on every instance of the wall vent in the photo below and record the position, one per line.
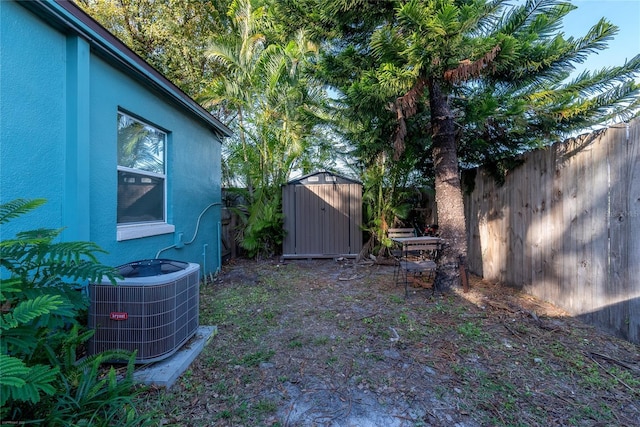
(153, 310)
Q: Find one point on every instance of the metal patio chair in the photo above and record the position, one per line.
(417, 259)
(396, 249)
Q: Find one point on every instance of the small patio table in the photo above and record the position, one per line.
(416, 239)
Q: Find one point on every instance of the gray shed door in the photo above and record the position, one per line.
(322, 219)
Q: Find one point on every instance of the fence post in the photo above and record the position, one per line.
(464, 275)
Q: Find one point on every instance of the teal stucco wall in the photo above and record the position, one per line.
(58, 132)
(32, 115)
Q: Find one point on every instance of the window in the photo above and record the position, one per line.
(141, 179)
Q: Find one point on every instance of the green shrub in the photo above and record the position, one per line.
(262, 222)
(42, 380)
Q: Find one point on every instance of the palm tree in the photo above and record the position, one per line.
(240, 52)
(268, 86)
(293, 107)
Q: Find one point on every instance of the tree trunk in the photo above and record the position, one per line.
(450, 205)
(244, 153)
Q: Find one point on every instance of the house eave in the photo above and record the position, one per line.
(67, 17)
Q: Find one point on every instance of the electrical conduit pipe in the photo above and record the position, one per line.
(195, 234)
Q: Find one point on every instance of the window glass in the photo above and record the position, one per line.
(140, 146)
(141, 172)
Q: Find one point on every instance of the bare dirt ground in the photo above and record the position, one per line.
(334, 343)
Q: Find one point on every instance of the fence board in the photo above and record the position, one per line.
(549, 228)
(553, 286)
(536, 228)
(599, 243)
(618, 274)
(516, 227)
(583, 291)
(569, 257)
(631, 296)
(473, 212)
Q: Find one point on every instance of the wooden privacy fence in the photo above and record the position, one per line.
(228, 244)
(565, 227)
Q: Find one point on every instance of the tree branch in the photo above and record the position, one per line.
(467, 69)
(405, 107)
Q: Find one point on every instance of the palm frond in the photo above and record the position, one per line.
(590, 83)
(596, 39)
(520, 19)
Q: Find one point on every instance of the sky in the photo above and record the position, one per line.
(625, 14)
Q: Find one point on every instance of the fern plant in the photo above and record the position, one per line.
(40, 328)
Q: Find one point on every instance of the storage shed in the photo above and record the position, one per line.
(322, 216)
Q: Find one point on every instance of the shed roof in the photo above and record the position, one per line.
(309, 179)
(70, 19)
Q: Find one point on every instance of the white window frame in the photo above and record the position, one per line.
(136, 230)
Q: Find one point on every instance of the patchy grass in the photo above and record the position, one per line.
(326, 343)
